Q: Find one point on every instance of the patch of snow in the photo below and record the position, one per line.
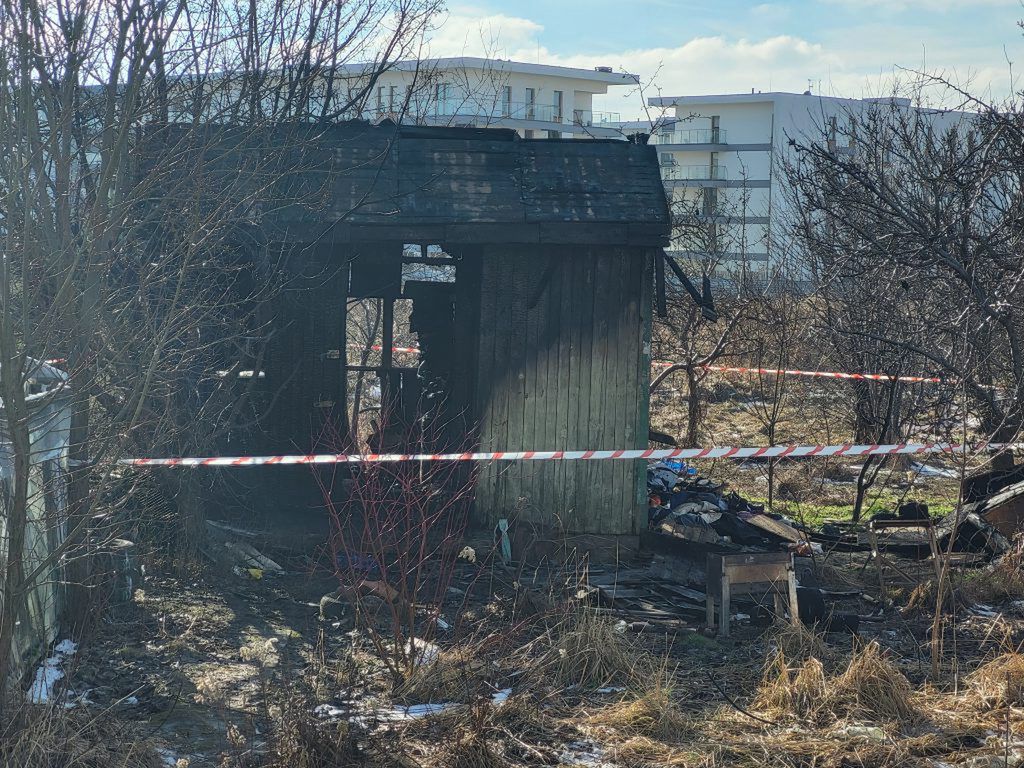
(611, 689)
(50, 672)
(66, 648)
(500, 697)
(328, 710)
(169, 757)
(583, 753)
(927, 470)
(422, 651)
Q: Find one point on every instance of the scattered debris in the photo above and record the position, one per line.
(682, 503)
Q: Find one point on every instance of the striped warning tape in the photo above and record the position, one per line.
(725, 452)
(746, 370)
(815, 374)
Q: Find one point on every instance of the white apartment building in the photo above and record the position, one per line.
(720, 157)
(537, 100)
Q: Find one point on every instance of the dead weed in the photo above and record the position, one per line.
(999, 682)
(871, 687)
(455, 675)
(652, 714)
(588, 650)
(48, 736)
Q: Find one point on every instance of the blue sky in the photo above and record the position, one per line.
(844, 47)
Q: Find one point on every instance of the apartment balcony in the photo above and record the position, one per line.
(587, 117)
(678, 175)
(691, 136)
(675, 172)
(509, 110)
(520, 115)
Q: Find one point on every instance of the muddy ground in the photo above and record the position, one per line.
(221, 669)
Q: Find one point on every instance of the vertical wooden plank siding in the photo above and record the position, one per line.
(566, 373)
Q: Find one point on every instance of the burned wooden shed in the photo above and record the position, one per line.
(540, 336)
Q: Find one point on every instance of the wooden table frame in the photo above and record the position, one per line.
(743, 574)
(882, 560)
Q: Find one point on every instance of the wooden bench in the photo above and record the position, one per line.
(744, 574)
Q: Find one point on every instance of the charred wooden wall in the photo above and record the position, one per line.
(562, 362)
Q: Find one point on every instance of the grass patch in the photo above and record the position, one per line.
(1001, 581)
(652, 714)
(642, 752)
(999, 682)
(49, 736)
(871, 687)
(588, 650)
(455, 675)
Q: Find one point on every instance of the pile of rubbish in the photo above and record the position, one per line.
(681, 503)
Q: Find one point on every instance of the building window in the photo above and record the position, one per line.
(392, 101)
(557, 103)
(380, 99)
(667, 159)
(441, 99)
(716, 129)
(506, 101)
(531, 102)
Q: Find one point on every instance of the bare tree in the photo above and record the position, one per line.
(915, 216)
(124, 253)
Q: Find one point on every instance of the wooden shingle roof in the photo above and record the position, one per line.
(360, 182)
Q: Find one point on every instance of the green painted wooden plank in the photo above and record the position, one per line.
(546, 431)
(486, 486)
(579, 427)
(643, 374)
(504, 376)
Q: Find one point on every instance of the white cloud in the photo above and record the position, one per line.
(467, 32)
(857, 61)
(938, 6)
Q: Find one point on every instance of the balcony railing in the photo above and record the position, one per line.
(673, 172)
(478, 110)
(587, 117)
(514, 110)
(691, 136)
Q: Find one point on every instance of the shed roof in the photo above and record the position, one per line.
(359, 182)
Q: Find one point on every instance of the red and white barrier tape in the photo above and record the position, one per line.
(734, 452)
(815, 374)
(749, 371)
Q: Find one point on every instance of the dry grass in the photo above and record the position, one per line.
(1003, 580)
(999, 682)
(587, 650)
(470, 748)
(299, 740)
(46, 737)
(455, 675)
(798, 642)
(785, 691)
(652, 714)
(642, 752)
(871, 687)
